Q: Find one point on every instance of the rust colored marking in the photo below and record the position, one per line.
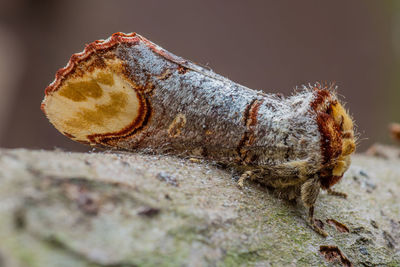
(253, 113)
(144, 109)
(149, 87)
(182, 70)
(138, 125)
(246, 113)
(90, 49)
(158, 50)
(69, 135)
(320, 99)
(329, 181)
(331, 135)
(98, 63)
(338, 225)
(331, 142)
(333, 253)
(250, 120)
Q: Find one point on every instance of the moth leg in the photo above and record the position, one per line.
(309, 193)
(336, 193)
(312, 223)
(246, 175)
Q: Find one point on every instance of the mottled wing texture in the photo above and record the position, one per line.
(128, 93)
(174, 105)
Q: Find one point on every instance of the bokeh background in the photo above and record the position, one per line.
(268, 45)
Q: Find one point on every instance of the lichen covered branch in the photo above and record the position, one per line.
(112, 209)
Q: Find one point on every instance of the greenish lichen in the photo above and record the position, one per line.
(111, 210)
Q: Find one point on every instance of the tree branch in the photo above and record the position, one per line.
(114, 209)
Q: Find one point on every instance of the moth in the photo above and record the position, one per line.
(128, 93)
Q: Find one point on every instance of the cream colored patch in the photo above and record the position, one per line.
(99, 102)
(342, 118)
(175, 128)
(341, 166)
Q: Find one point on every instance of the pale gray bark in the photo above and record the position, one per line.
(119, 209)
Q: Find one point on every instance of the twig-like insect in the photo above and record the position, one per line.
(128, 93)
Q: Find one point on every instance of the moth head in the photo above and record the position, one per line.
(337, 136)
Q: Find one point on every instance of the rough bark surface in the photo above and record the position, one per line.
(120, 209)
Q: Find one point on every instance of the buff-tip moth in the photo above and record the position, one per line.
(128, 93)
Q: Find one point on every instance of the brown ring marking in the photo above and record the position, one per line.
(331, 144)
(250, 119)
(69, 135)
(331, 141)
(253, 114)
(139, 122)
(136, 123)
(130, 130)
(320, 97)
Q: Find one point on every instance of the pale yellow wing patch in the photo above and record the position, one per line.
(98, 102)
(343, 119)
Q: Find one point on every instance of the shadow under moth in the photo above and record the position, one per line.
(130, 94)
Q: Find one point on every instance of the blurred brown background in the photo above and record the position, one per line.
(269, 45)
